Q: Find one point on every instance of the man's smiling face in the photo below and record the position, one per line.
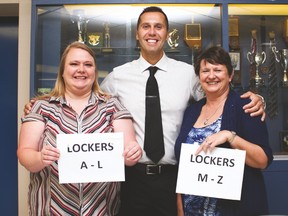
(152, 34)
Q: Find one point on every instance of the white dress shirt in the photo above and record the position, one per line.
(177, 83)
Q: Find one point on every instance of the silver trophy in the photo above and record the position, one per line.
(258, 59)
(283, 59)
(81, 25)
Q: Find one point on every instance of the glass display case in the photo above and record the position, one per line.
(256, 36)
(258, 43)
(110, 31)
(255, 32)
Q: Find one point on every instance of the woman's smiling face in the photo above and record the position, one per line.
(214, 78)
(79, 71)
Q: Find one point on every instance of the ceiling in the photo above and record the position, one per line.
(236, 9)
(114, 13)
(258, 9)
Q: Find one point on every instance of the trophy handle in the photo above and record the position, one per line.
(264, 56)
(274, 50)
(249, 57)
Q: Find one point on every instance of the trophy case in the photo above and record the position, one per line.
(256, 36)
(254, 32)
(110, 31)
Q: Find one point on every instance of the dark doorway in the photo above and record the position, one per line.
(8, 110)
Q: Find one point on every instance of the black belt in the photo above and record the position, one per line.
(155, 169)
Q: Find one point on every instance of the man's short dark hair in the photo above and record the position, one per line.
(153, 9)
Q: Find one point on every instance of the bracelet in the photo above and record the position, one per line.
(263, 101)
(233, 136)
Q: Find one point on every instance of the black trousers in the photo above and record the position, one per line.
(149, 195)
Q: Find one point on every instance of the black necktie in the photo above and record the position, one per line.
(153, 141)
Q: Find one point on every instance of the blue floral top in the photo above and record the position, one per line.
(198, 205)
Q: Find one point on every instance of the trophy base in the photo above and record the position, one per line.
(284, 84)
(256, 85)
(285, 78)
(257, 82)
(106, 50)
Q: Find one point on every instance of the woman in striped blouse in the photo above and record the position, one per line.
(75, 105)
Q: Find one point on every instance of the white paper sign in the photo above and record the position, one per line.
(216, 174)
(91, 157)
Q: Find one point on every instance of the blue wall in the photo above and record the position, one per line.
(276, 178)
(8, 110)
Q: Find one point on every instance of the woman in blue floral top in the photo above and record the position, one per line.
(218, 120)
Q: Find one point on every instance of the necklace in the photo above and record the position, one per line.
(207, 119)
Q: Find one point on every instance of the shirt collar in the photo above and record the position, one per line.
(92, 100)
(161, 64)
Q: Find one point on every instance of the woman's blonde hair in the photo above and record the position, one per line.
(59, 87)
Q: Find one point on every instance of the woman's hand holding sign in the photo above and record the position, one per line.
(214, 140)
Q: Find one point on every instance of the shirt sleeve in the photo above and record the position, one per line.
(35, 113)
(120, 112)
(108, 84)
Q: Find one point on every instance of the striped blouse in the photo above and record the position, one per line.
(46, 195)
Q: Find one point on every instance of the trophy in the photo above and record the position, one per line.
(173, 39)
(258, 59)
(283, 59)
(81, 25)
(234, 43)
(193, 36)
(107, 45)
(107, 36)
